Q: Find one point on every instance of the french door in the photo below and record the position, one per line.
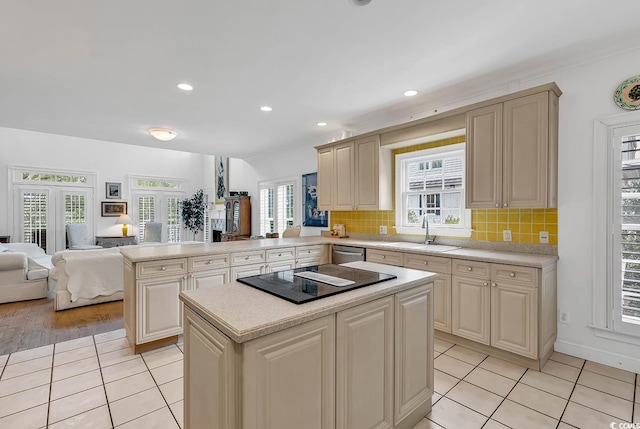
(41, 213)
(159, 206)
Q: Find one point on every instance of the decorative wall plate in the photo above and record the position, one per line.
(627, 95)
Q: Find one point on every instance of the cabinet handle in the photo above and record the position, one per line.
(497, 205)
(469, 269)
(383, 256)
(209, 262)
(426, 263)
(494, 284)
(164, 268)
(485, 284)
(185, 277)
(504, 205)
(279, 254)
(246, 257)
(512, 274)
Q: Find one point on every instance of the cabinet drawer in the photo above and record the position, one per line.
(385, 257)
(436, 264)
(161, 268)
(244, 258)
(526, 276)
(310, 251)
(286, 253)
(209, 262)
(480, 270)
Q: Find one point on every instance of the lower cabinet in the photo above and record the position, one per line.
(500, 308)
(370, 366)
(159, 310)
(364, 366)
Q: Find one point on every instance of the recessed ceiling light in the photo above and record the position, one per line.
(410, 93)
(162, 134)
(266, 109)
(321, 124)
(185, 86)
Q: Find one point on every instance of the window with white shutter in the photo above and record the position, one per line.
(430, 183)
(278, 209)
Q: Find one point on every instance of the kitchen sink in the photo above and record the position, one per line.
(419, 246)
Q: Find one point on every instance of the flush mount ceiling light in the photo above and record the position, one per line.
(361, 2)
(410, 93)
(162, 134)
(321, 124)
(266, 109)
(185, 86)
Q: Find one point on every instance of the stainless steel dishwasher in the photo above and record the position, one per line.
(342, 254)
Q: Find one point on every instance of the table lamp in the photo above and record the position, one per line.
(124, 220)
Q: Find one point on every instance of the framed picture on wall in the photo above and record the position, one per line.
(311, 215)
(113, 209)
(221, 184)
(113, 191)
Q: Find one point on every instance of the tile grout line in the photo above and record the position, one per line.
(104, 385)
(46, 424)
(504, 398)
(158, 386)
(571, 394)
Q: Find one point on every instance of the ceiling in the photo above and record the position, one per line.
(108, 70)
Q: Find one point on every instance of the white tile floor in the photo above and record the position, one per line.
(93, 382)
(97, 382)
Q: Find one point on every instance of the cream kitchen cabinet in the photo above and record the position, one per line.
(152, 310)
(385, 257)
(364, 366)
(511, 153)
(367, 366)
(307, 256)
(441, 286)
(256, 262)
(505, 306)
(354, 175)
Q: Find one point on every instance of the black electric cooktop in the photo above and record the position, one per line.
(291, 286)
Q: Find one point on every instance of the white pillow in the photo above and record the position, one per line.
(3, 248)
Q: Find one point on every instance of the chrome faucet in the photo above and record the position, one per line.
(425, 225)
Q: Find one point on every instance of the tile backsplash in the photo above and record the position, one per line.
(487, 224)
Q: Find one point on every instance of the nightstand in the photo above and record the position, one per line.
(116, 241)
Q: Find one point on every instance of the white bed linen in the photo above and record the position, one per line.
(92, 272)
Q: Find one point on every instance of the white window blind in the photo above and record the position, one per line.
(34, 211)
(74, 209)
(278, 210)
(431, 183)
(146, 213)
(266, 211)
(628, 247)
(174, 222)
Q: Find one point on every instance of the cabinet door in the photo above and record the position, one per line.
(246, 270)
(326, 174)
(343, 186)
(413, 386)
(159, 308)
(209, 278)
(385, 257)
(366, 174)
(209, 376)
(483, 175)
(513, 319)
(470, 308)
(273, 267)
(526, 151)
(364, 366)
(442, 303)
(289, 378)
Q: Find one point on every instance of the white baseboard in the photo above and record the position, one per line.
(616, 360)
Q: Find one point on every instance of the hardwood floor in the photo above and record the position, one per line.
(29, 324)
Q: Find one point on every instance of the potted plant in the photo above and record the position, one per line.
(192, 212)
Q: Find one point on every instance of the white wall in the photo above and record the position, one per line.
(112, 162)
(292, 162)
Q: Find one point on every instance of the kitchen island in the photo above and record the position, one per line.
(358, 359)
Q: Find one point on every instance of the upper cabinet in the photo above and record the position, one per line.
(511, 155)
(354, 175)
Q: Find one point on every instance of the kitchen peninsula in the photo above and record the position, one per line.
(362, 358)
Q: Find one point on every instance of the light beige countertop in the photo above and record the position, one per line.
(244, 313)
(185, 250)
